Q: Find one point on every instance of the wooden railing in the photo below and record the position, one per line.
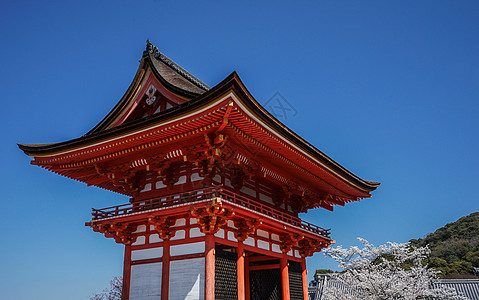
(205, 194)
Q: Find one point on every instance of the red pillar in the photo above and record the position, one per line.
(305, 278)
(246, 278)
(284, 276)
(165, 271)
(240, 268)
(125, 290)
(210, 267)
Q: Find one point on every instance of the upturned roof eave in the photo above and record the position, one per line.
(145, 63)
(230, 83)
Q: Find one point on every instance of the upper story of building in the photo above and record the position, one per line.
(171, 133)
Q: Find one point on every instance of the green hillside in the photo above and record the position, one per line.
(454, 247)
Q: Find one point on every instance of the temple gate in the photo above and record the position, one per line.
(216, 184)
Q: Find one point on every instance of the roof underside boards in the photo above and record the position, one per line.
(248, 123)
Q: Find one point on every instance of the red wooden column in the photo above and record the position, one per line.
(210, 267)
(240, 268)
(283, 262)
(125, 290)
(246, 278)
(304, 273)
(165, 271)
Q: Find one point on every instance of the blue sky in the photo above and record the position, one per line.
(389, 89)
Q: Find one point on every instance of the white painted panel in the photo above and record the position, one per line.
(140, 240)
(152, 227)
(275, 248)
(181, 180)
(220, 234)
(147, 253)
(231, 236)
(180, 222)
(228, 183)
(140, 228)
(217, 178)
(187, 279)
(193, 221)
(249, 241)
(160, 185)
(187, 249)
(290, 209)
(195, 232)
(231, 224)
(180, 234)
(196, 177)
(290, 252)
(296, 253)
(263, 245)
(275, 237)
(248, 191)
(145, 282)
(262, 233)
(265, 198)
(154, 238)
(146, 188)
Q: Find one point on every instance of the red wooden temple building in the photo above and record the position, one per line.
(215, 185)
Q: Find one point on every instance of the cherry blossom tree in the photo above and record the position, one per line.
(390, 271)
(112, 293)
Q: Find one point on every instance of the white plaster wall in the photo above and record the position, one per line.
(231, 236)
(195, 232)
(180, 222)
(249, 241)
(159, 185)
(187, 279)
(145, 282)
(231, 224)
(180, 234)
(220, 234)
(248, 191)
(196, 177)
(140, 228)
(154, 238)
(296, 253)
(146, 188)
(217, 178)
(265, 198)
(263, 245)
(262, 233)
(275, 237)
(140, 240)
(275, 248)
(181, 180)
(184, 249)
(147, 253)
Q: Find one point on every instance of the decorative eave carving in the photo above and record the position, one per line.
(121, 232)
(163, 226)
(212, 217)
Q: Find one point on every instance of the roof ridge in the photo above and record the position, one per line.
(153, 50)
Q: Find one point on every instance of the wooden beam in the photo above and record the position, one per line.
(264, 267)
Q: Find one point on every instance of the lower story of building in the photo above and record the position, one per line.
(211, 267)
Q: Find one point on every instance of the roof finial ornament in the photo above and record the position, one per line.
(150, 48)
